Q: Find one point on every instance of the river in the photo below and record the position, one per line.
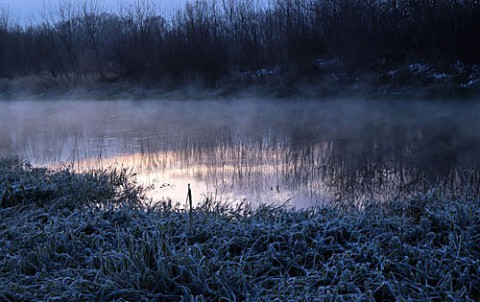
(259, 151)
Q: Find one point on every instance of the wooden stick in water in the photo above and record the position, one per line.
(189, 197)
(190, 212)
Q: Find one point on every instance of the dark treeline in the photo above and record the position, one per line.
(210, 40)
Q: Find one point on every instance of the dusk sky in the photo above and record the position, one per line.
(29, 11)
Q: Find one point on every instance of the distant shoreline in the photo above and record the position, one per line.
(414, 81)
(304, 49)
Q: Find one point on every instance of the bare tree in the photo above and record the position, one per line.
(209, 40)
(67, 29)
(92, 25)
(4, 17)
(3, 38)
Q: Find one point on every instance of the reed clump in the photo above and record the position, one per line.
(23, 184)
(114, 248)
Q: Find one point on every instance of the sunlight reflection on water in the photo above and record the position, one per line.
(258, 151)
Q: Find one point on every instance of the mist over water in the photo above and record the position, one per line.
(299, 152)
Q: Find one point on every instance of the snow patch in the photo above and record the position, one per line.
(258, 74)
(440, 76)
(419, 68)
(392, 72)
(470, 83)
(327, 63)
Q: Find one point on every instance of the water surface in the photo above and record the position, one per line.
(300, 152)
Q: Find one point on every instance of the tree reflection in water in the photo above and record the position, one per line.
(301, 152)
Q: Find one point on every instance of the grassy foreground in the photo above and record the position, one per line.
(87, 237)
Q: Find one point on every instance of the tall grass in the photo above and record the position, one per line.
(22, 184)
(419, 250)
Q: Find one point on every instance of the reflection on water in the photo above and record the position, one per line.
(258, 151)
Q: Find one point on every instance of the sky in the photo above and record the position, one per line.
(30, 11)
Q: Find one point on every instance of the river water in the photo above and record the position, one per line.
(258, 151)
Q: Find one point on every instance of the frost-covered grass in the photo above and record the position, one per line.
(106, 246)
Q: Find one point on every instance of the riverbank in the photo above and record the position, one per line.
(89, 237)
(335, 47)
(331, 80)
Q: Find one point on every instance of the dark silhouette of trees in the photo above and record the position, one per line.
(211, 40)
